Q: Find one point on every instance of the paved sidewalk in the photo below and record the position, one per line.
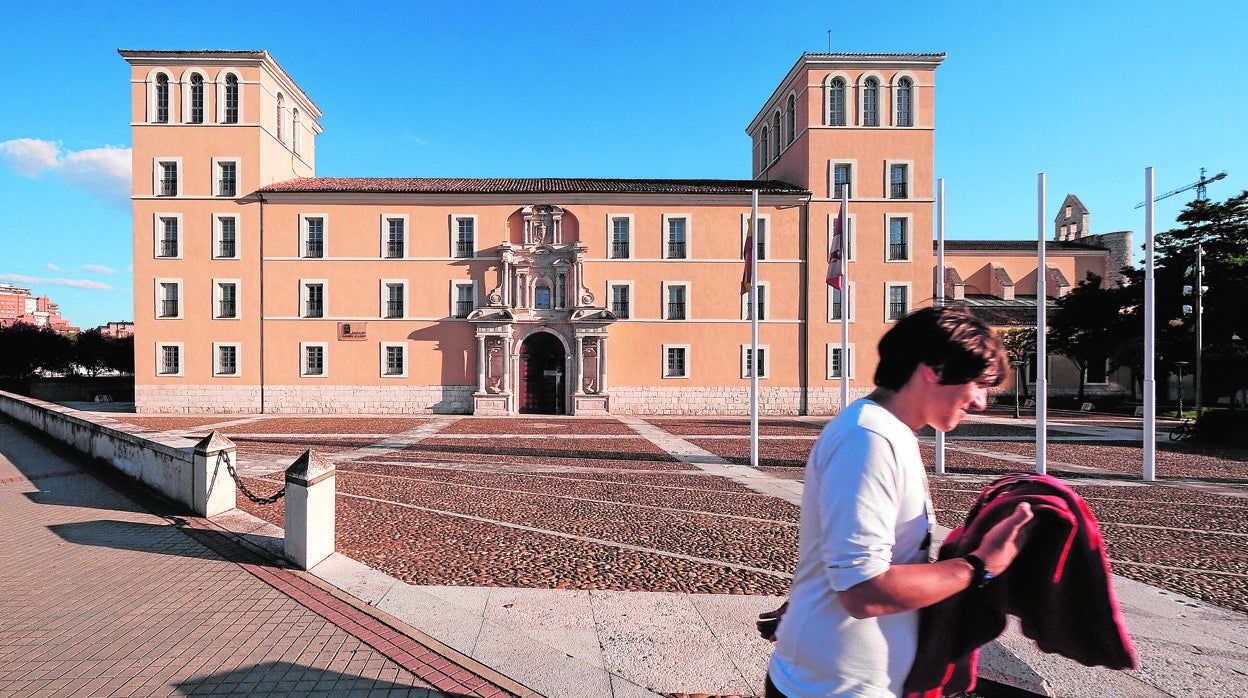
(102, 597)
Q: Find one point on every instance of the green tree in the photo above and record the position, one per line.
(1088, 326)
(1020, 343)
(27, 351)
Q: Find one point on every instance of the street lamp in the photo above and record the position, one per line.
(1018, 367)
(1180, 364)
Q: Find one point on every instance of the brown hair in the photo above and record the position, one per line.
(949, 339)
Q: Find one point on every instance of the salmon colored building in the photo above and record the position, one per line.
(260, 287)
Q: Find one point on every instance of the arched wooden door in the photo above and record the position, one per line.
(541, 375)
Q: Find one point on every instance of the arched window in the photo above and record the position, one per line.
(791, 125)
(905, 102)
(295, 132)
(764, 150)
(871, 102)
(231, 99)
(836, 102)
(161, 116)
(197, 99)
(280, 106)
(775, 129)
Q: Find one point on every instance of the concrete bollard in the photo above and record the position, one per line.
(309, 510)
(213, 490)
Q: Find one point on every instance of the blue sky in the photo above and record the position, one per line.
(1089, 92)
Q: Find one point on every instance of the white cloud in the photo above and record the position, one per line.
(53, 267)
(99, 269)
(40, 281)
(104, 172)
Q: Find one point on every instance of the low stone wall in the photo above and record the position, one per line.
(159, 461)
(711, 401)
(315, 399)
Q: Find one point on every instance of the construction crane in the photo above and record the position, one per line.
(1199, 186)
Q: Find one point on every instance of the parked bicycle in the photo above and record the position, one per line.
(1183, 431)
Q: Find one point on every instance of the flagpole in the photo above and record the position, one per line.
(1150, 328)
(940, 294)
(1042, 387)
(844, 296)
(754, 362)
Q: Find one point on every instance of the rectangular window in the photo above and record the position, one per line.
(1097, 372)
(226, 362)
(760, 235)
(313, 361)
(897, 300)
(747, 365)
(837, 363)
(621, 236)
(226, 293)
(392, 301)
(313, 237)
(227, 178)
(168, 300)
(313, 299)
(169, 359)
(898, 181)
(393, 360)
(762, 302)
(394, 237)
(676, 298)
(463, 298)
(841, 180)
(168, 178)
(464, 229)
(621, 299)
(836, 303)
(227, 237)
(168, 247)
(676, 237)
(675, 361)
(898, 240)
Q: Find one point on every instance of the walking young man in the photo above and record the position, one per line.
(866, 525)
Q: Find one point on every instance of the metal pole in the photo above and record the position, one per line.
(1017, 377)
(1150, 384)
(1200, 312)
(940, 294)
(1042, 388)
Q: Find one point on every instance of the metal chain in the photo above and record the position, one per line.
(243, 488)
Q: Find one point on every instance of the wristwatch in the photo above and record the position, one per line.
(981, 576)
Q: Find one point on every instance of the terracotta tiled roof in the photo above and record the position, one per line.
(508, 185)
(1014, 245)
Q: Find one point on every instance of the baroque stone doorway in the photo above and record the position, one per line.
(542, 384)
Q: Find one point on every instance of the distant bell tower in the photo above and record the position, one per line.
(1072, 220)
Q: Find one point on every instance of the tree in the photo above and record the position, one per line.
(90, 352)
(1087, 326)
(1221, 229)
(28, 350)
(1020, 343)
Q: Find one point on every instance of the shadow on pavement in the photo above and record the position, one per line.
(284, 678)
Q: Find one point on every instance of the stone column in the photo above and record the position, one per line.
(309, 510)
(482, 359)
(602, 365)
(213, 490)
(580, 365)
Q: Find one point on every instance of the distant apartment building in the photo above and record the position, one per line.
(263, 288)
(20, 306)
(117, 330)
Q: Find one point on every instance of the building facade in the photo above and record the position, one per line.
(19, 306)
(263, 288)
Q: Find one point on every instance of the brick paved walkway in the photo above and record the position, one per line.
(99, 597)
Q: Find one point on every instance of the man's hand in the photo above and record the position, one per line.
(769, 621)
(1003, 541)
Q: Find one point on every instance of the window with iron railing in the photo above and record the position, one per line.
(394, 238)
(314, 361)
(676, 303)
(465, 237)
(840, 181)
(227, 243)
(169, 300)
(898, 181)
(394, 361)
(314, 237)
(675, 366)
(463, 300)
(619, 238)
(898, 302)
(227, 360)
(228, 183)
(676, 232)
(168, 179)
(898, 240)
(227, 301)
(314, 301)
(394, 300)
(169, 237)
(620, 301)
(170, 360)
